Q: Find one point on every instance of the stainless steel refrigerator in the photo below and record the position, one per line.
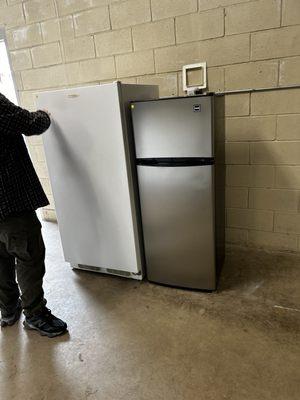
(180, 166)
(91, 164)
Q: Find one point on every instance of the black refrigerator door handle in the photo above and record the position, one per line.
(175, 161)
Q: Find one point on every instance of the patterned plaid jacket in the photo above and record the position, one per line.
(20, 188)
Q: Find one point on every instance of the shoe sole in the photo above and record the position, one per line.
(43, 333)
(11, 322)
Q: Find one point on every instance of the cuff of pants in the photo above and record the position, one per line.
(36, 309)
(7, 311)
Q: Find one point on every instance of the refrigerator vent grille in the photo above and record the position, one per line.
(118, 272)
(89, 268)
(105, 270)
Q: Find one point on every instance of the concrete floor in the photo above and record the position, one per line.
(139, 341)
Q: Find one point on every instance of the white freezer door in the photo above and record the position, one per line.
(87, 164)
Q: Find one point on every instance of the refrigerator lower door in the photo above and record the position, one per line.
(177, 205)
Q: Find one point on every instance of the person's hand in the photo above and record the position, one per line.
(47, 112)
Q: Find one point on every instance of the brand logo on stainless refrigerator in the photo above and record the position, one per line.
(197, 107)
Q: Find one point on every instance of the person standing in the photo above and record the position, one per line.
(22, 250)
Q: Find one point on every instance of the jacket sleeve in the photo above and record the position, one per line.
(16, 120)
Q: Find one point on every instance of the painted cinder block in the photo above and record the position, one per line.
(138, 63)
(251, 75)
(36, 10)
(274, 199)
(275, 43)
(172, 8)
(12, 16)
(21, 59)
(250, 219)
(91, 21)
(237, 104)
(290, 12)
(252, 16)
(129, 13)
(113, 42)
(167, 83)
(272, 240)
(200, 26)
(289, 73)
(48, 54)
(154, 34)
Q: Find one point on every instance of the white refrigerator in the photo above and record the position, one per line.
(91, 162)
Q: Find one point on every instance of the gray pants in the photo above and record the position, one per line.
(22, 253)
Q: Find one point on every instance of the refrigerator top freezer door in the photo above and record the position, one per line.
(88, 166)
(174, 127)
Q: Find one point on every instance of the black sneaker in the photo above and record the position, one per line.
(11, 319)
(46, 324)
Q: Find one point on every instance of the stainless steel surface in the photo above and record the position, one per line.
(174, 127)
(178, 221)
(182, 206)
(89, 166)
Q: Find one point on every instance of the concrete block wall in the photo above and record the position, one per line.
(246, 43)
